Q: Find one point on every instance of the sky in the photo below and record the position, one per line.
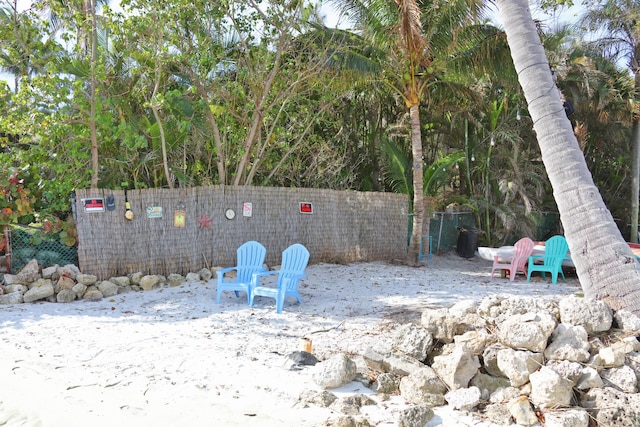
(333, 19)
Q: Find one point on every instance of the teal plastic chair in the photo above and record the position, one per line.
(250, 260)
(554, 253)
(294, 263)
(423, 247)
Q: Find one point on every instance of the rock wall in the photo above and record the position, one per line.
(525, 360)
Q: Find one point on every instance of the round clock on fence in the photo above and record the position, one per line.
(230, 214)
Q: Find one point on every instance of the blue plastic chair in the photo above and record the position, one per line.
(554, 253)
(250, 259)
(294, 262)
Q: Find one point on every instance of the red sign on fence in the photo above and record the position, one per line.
(93, 205)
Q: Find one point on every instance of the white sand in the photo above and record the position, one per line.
(172, 356)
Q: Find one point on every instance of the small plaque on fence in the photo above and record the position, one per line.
(154, 212)
(306, 208)
(180, 215)
(247, 209)
(93, 205)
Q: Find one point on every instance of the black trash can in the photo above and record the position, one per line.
(467, 242)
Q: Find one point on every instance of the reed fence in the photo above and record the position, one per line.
(343, 227)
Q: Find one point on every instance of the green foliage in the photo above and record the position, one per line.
(16, 202)
(269, 96)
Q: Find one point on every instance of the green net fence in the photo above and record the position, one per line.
(29, 243)
(444, 229)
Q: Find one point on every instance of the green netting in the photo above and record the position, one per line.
(28, 243)
(548, 225)
(444, 228)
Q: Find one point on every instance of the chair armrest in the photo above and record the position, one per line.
(220, 273)
(255, 277)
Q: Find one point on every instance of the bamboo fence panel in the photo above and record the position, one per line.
(344, 227)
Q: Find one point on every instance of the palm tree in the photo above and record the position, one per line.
(415, 38)
(619, 21)
(604, 262)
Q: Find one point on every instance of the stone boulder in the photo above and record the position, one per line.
(334, 372)
(594, 316)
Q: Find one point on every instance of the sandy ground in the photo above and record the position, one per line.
(172, 356)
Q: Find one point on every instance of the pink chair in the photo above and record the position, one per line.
(522, 249)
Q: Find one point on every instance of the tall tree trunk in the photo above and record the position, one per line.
(635, 162)
(156, 114)
(418, 193)
(604, 262)
(635, 177)
(93, 127)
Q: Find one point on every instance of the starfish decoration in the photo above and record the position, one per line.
(205, 222)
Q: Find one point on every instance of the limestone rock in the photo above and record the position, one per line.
(518, 365)
(573, 417)
(413, 341)
(29, 273)
(321, 398)
(9, 289)
(521, 411)
(149, 282)
(350, 405)
(439, 323)
(594, 316)
(108, 288)
(623, 378)
(590, 378)
(568, 342)
(192, 277)
(92, 294)
(386, 383)
(549, 389)
(464, 399)
(610, 407)
(12, 298)
(475, 341)
(66, 296)
(205, 274)
(50, 272)
(86, 279)
(120, 281)
(423, 387)
(334, 372)
(79, 289)
(394, 362)
(488, 383)
(38, 292)
(457, 368)
(68, 270)
(529, 331)
(415, 416)
(65, 282)
(627, 321)
(175, 279)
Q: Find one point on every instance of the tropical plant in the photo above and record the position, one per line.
(616, 24)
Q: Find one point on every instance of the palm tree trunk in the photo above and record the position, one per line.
(635, 166)
(635, 177)
(418, 193)
(604, 262)
(93, 127)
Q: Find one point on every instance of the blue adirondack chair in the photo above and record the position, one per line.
(250, 259)
(294, 262)
(554, 253)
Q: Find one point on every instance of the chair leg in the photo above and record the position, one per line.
(279, 302)
(218, 293)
